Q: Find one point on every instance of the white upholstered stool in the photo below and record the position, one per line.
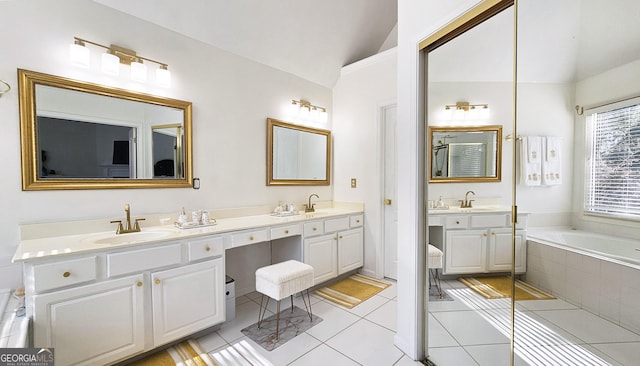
(435, 263)
(280, 280)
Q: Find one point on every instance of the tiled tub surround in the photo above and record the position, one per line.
(139, 281)
(607, 287)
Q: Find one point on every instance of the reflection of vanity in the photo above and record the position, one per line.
(99, 298)
(477, 240)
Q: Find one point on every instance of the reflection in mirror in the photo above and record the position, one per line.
(297, 155)
(465, 154)
(77, 135)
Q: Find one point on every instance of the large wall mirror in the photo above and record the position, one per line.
(297, 155)
(465, 154)
(78, 135)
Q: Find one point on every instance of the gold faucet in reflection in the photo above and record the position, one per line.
(467, 202)
(127, 229)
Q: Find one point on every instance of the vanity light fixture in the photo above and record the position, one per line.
(465, 110)
(306, 110)
(113, 57)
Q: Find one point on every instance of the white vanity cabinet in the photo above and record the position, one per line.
(340, 249)
(131, 300)
(480, 243)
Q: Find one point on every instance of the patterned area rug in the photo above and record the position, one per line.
(500, 287)
(186, 353)
(291, 324)
(352, 290)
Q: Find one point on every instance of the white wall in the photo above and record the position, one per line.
(232, 97)
(362, 89)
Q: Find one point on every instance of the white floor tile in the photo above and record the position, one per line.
(493, 355)
(246, 314)
(438, 335)
(390, 292)
(470, 328)
(551, 304)
(334, 319)
(289, 351)
(386, 315)
(406, 361)
(324, 355)
(211, 342)
(367, 343)
(451, 356)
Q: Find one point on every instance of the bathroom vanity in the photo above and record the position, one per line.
(99, 298)
(477, 240)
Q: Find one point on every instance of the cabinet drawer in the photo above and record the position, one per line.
(249, 237)
(205, 248)
(356, 221)
(59, 274)
(478, 221)
(331, 225)
(284, 231)
(313, 228)
(459, 222)
(142, 260)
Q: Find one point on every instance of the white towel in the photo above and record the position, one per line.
(534, 149)
(552, 164)
(530, 173)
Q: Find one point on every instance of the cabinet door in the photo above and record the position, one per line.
(187, 299)
(500, 251)
(92, 325)
(321, 253)
(350, 250)
(465, 251)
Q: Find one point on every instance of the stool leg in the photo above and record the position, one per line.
(261, 312)
(278, 321)
(305, 304)
(291, 303)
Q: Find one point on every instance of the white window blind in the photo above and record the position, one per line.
(613, 164)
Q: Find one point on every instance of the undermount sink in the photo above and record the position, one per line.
(127, 238)
(469, 209)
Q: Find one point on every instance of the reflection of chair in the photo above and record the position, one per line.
(163, 168)
(435, 262)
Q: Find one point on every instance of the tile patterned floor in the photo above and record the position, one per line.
(466, 331)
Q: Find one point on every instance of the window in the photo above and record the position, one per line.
(613, 160)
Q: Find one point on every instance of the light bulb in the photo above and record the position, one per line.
(110, 64)
(79, 54)
(138, 71)
(163, 76)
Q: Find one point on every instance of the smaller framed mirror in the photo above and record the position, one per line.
(465, 154)
(297, 155)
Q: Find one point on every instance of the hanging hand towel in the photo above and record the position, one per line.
(534, 149)
(552, 164)
(530, 173)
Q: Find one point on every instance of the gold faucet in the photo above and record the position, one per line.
(128, 229)
(467, 202)
(310, 207)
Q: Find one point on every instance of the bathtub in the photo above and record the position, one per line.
(598, 273)
(615, 249)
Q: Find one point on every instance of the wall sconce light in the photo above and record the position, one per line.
(465, 110)
(305, 110)
(113, 57)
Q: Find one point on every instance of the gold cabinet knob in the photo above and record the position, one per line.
(387, 201)
(139, 284)
(251, 237)
(340, 236)
(357, 221)
(66, 274)
(314, 229)
(458, 222)
(207, 248)
(157, 281)
(485, 234)
(286, 231)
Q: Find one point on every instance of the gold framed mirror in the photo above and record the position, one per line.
(80, 135)
(465, 154)
(297, 155)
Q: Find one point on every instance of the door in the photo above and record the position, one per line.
(350, 250)
(321, 253)
(390, 211)
(465, 251)
(187, 299)
(500, 251)
(92, 325)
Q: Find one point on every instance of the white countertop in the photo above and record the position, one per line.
(63, 245)
(470, 210)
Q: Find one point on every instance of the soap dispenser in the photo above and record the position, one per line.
(440, 203)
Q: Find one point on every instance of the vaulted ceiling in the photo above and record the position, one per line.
(307, 38)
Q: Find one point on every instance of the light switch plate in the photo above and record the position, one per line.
(353, 183)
